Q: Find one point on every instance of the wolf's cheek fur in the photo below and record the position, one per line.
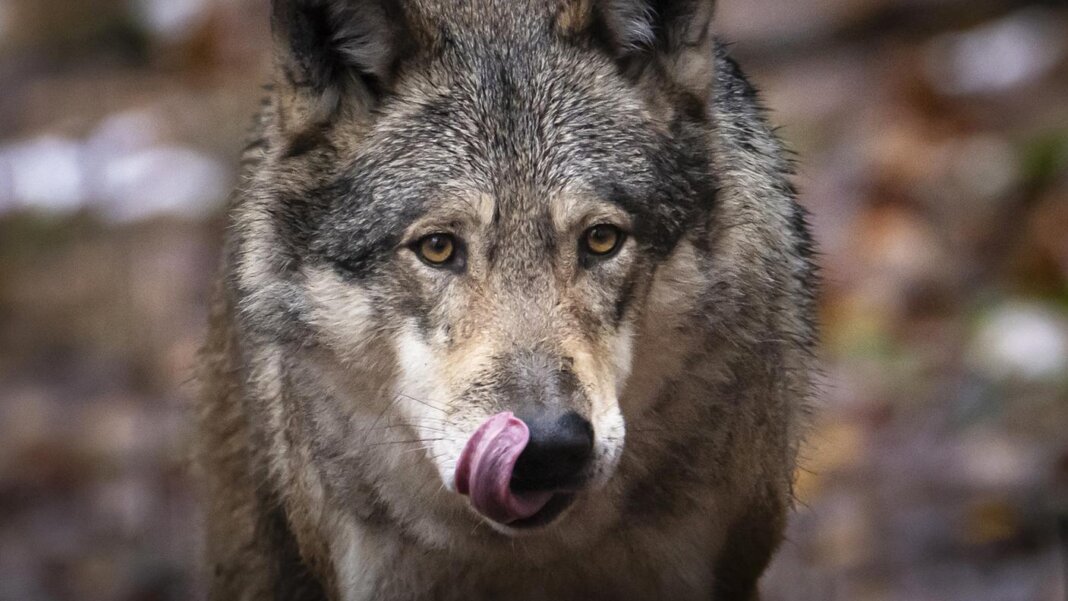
(664, 334)
(426, 403)
(341, 312)
(418, 408)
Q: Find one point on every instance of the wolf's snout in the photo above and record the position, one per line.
(520, 474)
(556, 456)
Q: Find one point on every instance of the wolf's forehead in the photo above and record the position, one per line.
(516, 129)
(483, 20)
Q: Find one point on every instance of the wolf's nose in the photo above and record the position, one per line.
(556, 456)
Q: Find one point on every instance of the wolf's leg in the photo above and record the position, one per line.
(251, 553)
(751, 540)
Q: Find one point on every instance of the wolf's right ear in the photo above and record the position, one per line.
(334, 51)
(655, 42)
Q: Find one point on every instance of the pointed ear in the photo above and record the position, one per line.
(667, 38)
(334, 51)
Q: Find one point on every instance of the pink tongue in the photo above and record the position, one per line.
(485, 470)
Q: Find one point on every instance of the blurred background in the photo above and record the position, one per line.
(932, 138)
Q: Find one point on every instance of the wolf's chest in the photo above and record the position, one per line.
(665, 566)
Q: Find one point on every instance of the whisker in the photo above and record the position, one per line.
(396, 426)
(423, 402)
(412, 441)
(384, 411)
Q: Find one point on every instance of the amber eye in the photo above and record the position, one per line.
(436, 249)
(602, 240)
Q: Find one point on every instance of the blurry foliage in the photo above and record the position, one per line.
(1045, 158)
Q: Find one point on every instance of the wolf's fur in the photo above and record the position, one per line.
(343, 376)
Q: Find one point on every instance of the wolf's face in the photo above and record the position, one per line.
(461, 246)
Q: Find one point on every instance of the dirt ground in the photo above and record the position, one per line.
(932, 147)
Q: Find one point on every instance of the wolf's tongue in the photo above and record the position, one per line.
(485, 470)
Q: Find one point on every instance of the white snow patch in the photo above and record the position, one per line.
(1023, 341)
(999, 56)
(170, 180)
(122, 170)
(44, 172)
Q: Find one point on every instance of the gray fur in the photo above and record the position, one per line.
(342, 374)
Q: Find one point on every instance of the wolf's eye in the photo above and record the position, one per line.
(436, 249)
(602, 240)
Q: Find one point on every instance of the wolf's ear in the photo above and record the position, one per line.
(330, 51)
(671, 38)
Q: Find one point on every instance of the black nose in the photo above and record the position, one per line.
(556, 456)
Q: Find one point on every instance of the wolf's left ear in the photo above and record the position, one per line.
(669, 38)
(334, 51)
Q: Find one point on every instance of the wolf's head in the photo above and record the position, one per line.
(453, 234)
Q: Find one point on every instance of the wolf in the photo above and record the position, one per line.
(517, 303)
